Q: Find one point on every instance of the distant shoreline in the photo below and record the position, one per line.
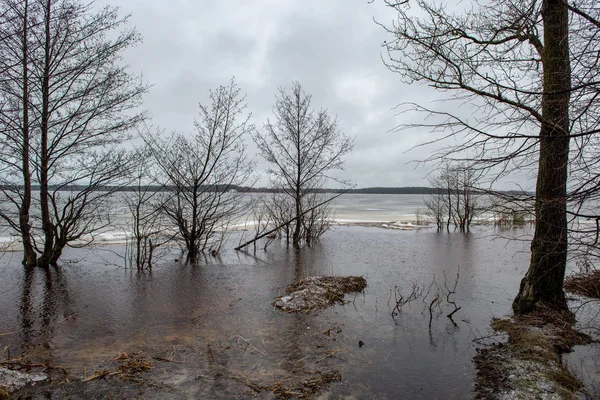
(424, 190)
(246, 189)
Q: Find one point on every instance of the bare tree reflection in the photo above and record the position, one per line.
(26, 307)
(44, 296)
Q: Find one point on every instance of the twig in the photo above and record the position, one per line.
(162, 359)
(21, 364)
(256, 387)
(248, 343)
(99, 374)
(452, 313)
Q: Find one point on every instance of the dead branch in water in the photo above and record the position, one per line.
(420, 292)
(451, 292)
(400, 300)
(435, 302)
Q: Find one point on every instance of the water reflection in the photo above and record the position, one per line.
(44, 302)
(26, 308)
(294, 326)
(216, 320)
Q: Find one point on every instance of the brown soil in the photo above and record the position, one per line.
(528, 364)
(584, 284)
(314, 293)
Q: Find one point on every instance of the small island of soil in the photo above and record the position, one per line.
(318, 293)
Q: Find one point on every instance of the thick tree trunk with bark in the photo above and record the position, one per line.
(543, 283)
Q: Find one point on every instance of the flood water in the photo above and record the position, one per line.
(215, 321)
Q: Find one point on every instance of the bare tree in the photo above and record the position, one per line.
(456, 197)
(530, 69)
(435, 206)
(202, 172)
(466, 196)
(280, 209)
(65, 105)
(317, 219)
(439, 204)
(302, 146)
(263, 220)
(512, 209)
(148, 225)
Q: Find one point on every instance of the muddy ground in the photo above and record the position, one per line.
(527, 361)
(220, 368)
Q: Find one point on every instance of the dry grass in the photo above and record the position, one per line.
(543, 327)
(131, 367)
(584, 284)
(294, 389)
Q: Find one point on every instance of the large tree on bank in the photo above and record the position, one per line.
(530, 70)
(66, 104)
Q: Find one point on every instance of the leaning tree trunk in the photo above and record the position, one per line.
(543, 283)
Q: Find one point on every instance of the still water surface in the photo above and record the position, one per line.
(215, 321)
(218, 317)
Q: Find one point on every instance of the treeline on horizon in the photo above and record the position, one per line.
(246, 189)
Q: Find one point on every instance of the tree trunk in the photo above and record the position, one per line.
(150, 254)
(543, 283)
(57, 252)
(29, 254)
(298, 223)
(48, 227)
(192, 256)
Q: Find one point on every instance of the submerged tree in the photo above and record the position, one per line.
(65, 106)
(202, 172)
(302, 146)
(456, 199)
(148, 224)
(530, 69)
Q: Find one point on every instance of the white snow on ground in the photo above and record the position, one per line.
(15, 380)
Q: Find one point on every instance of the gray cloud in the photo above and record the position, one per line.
(332, 47)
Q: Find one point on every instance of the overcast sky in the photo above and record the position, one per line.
(333, 48)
